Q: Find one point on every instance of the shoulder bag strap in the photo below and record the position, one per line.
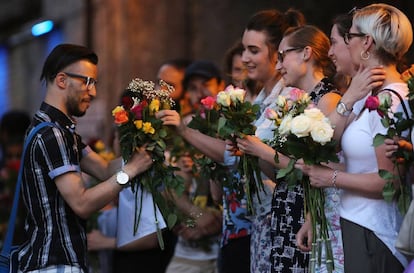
(403, 106)
(401, 100)
(12, 219)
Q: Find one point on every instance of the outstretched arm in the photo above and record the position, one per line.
(212, 147)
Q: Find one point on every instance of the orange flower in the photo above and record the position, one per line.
(121, 116)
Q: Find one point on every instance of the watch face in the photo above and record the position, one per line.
(122, 178)
(341, 109)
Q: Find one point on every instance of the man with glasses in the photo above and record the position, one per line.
(53, 190)
(89, 81)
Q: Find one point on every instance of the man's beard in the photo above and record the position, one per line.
(73, 109)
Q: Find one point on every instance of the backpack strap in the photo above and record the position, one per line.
(12, 219)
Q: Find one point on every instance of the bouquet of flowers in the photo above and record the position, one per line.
(303, 132)
(229, 116)
(206, 120)
(138, 127)
(398, 124)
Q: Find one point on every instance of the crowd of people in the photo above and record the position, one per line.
(277, 53)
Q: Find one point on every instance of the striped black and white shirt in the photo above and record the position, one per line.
(56, 235)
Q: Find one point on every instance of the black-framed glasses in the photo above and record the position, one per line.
(89, 81)
(349, 35)
(282, 53)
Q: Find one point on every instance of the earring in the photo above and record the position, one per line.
(364, 55)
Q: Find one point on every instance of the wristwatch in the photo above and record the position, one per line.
(342, 109)
(122, 178)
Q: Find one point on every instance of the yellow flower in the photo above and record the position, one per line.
(99, 145)
(107, 155)
(200, 201)
(166, 105)
(147, 128)
(117, 109)
(138, 124)
(154, 106)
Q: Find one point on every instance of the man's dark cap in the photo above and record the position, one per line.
(205, 69)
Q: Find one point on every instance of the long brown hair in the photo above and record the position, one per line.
(312, 36)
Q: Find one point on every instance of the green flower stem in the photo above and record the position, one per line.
(315, 206)
(404, 192)
(159, 233)
(253, 181)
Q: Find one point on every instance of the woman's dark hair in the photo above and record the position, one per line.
(274, 23)
(343, 23)
(64, 55)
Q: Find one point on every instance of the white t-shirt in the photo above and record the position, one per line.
(207, 250)
(382, 217)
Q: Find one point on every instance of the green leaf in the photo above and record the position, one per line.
(386, 175)
(388, 191)
(283, 172)
(172, 220)
(162, 133)
(379, 140)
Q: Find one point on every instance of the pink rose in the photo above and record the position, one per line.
(270, 114)
(372, 103)
(208, 102)
(137, 109)
(296, 93)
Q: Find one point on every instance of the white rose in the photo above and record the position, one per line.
(322, 132)
(237, 95)
(223, 99)
(385, 99)
(314, 114)
(284, 127)
(305, 98)
(301, 125)
(281, 101)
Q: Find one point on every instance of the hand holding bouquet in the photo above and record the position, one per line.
(303, 132)
(231, 117)
(398, 124)
(138, 127)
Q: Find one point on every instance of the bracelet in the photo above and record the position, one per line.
(334, 175)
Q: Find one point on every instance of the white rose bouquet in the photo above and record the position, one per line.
(303, 132)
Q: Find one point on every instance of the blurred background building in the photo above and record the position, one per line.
(132, 39)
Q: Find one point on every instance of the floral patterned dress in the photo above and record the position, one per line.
(260, 244)
(288, 215)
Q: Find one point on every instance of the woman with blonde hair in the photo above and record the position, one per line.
(379, 37)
